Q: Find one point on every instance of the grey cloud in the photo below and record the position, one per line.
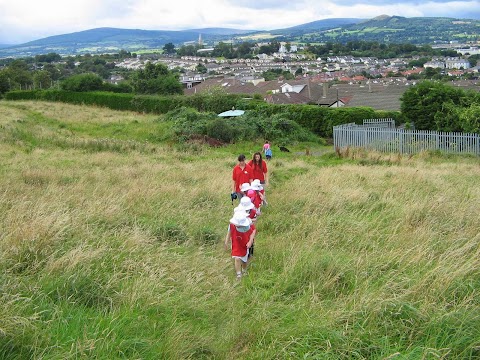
(468, 14)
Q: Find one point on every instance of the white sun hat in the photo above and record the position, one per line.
(245, 187)
(240, 219)
(245, 204)
(256, 185)
(238, 208)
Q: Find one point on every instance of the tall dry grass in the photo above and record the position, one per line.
(118, 254)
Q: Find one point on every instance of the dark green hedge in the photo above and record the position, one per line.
(319, 120)
(141, 103)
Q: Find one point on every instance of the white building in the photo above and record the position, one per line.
(434, 64)
(471, 50)
(292, 88)
(457, 64)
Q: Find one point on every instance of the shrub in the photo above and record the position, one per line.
(470, 119)
(83, 82)
(221, 130)
(188, 121)
(123, 87)
(421, 102)
(250, 126)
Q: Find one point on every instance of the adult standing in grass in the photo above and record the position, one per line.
(241, 233)
(259, 168)
(242, 173)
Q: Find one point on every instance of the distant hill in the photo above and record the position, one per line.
(221, 31)
(5, 45)
(103, 40)
(382, 29)
(415, 30)
(100, 40)
(320, 25)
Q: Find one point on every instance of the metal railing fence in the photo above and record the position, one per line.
(385, 138)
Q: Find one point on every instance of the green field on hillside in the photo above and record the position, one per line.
(111, 247)
(255, 37)
(360, 32)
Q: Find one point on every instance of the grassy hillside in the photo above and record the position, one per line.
(319, 25)
(111, 247)
(398, 29)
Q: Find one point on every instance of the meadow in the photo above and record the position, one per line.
(259, 36)
(111, 246)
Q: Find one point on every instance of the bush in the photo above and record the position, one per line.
(470, 119)
(83, 82)
(221, 130)
(421, 102)
(123, 87)
(188, 122)
(249, 126)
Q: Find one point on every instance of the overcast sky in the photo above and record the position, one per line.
(26, 20)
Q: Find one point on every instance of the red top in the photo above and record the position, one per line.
(258, 172)
(256, 200)
(252, 214)
(241, 176)
(240, 240)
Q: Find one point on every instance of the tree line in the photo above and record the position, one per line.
(85, 73)
(357, 48)
(433, 105)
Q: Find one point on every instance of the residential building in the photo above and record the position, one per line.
(455, 63)
(434, 64)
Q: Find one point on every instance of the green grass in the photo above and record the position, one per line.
(371, 30)
(115, 250)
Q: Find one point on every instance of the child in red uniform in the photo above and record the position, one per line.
(247, 206)
(240, 233)
(244, 188)
(256, 199)
(259, 189)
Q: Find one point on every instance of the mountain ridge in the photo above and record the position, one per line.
(321, 24)
(383, 28)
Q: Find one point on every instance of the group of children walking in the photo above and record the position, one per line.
(248, 186)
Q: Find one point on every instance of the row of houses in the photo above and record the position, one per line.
(244, 76)
(448, 63)
(383, 95)
(379, 94)
(253, 67)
